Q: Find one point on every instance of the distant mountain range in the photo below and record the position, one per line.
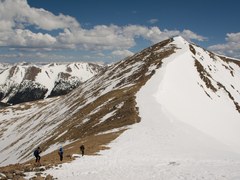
(27, 82)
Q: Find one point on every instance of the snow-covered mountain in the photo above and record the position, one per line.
(26, 82)
(170, 111)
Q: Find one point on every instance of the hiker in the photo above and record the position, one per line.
(82, 149)
(60, 153)
(36, 154)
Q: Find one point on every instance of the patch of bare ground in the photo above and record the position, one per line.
(12, 71)
(230, 96)
(69, 69)
(229, 69)
(204, 75)
(204, 90)
(212, 55)
(31, 73)
(192, 49)
(64, 76)
(229, 60)
(87, 123)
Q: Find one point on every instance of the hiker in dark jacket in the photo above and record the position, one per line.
(36, 154)
(60, 153)
(82, 148)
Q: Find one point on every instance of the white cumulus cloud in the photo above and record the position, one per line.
(21, 26)
(16, 12)
(100, 37)
(230, 48)
(154, 34)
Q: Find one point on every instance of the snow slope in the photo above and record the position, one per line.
(3, 66)
(215, 115)
(83, 71)
(183, 133)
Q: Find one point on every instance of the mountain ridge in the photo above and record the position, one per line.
(195, 92)
(73, 111)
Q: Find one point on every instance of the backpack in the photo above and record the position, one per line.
(35, 153)
(61, 150)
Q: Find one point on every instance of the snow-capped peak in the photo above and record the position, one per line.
(179, 39)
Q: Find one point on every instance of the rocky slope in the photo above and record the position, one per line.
(27, 82)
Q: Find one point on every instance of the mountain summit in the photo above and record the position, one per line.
(170, 104)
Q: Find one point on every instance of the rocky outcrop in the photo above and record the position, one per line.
(64, 84)
(28, 91)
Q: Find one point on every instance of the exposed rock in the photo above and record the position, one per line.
(18, 173)
(28, 91)
(37, 178)
(38, 169)
(9, 176)
(64, 85)
(49, 177)
(3, 176)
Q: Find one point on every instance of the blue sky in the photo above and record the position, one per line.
(107, 30)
